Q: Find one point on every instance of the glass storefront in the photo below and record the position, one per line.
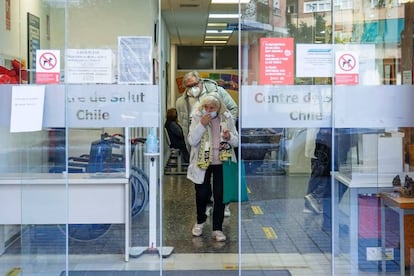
(91, 184)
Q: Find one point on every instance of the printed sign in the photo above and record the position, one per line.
(276, 60)
(47, 66)
(135, 60)
(27, 108)
(314, 60)
(346, 67)
(88, 66)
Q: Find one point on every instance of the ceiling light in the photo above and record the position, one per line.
(219, 31)
(223, 15)
(215, 41)
(229, 1)
(216, 37)
(217, 25)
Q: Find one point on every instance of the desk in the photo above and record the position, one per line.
(357, 185)
(42, 198)
(405, 208)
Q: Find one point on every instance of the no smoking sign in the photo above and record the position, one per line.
(47, 66)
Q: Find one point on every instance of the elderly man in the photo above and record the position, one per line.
(196, 89)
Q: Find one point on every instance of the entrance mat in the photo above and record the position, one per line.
(282, 272)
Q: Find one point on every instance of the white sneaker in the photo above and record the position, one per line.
(227, 212)
(313, 204)
(306, 210)
(209, 210)
(197, 230)
(218, 236)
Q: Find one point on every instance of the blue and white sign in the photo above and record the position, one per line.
(314, 60)
(286, 106)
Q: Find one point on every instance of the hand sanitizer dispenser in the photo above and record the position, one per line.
(151, 144)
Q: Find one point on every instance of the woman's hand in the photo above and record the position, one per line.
(205, 119)
(226, 134)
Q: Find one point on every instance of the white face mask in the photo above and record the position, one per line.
(213, 114)
(195, 91)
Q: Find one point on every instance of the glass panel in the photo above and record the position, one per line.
(286, 136)
(113, 106)
(36, 200)
(74, 176)
(372, 144)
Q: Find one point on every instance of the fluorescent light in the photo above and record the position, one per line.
(229, 1)
(223, 15)
(216, 37)
(219, 31)
(215, 41)
(217, 25)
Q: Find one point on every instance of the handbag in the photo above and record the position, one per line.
(231, 181)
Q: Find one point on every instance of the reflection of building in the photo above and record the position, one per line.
(366, 22)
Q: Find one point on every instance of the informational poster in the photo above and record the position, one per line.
(267, 106)
(27, 108)
(276, 60)
(88, 66)
(47, 66)
(33, 40)
(314, 60)
(346, 67)
(135, 60)
(112, 106)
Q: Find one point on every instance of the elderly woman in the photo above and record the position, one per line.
(212, 136)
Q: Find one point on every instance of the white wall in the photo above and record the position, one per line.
(13, 43)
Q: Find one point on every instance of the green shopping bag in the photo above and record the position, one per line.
(230, 182)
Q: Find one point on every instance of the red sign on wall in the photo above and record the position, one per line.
(276, 60)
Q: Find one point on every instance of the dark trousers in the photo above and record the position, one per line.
(320, 178)
(203, 194)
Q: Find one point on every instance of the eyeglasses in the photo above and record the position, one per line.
(191, 85)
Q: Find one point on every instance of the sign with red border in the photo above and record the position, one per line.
(47, 66)
(346, 68)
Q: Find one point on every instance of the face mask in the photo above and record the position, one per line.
(213, 114)
(195, 91)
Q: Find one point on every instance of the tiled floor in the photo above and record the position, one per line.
(275, 234)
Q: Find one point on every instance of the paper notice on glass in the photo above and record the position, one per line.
(27, 108)
(135, 60)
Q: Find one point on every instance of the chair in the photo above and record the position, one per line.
(174, 162)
